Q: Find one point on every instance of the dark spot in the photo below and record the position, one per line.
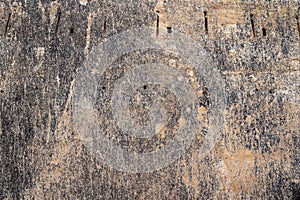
(205, 22)
(169, 29)
(72, 30)
(264, 31)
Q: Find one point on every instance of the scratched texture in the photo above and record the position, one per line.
(255, 44)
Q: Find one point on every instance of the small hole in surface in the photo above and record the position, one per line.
(72, 30)
(145, 87)
(205, 22)
(264, 31)
(169, 29)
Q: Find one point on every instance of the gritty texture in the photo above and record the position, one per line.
(254, 44)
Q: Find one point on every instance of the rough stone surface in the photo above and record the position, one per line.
(254, 44)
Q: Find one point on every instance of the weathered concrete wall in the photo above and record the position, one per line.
(44, 43)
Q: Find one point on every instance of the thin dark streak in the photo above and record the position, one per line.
(298, 24)
(205, 22)
(58, 20)
(7, 23)
(157, 22)
(104, 26)
(252, 25)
